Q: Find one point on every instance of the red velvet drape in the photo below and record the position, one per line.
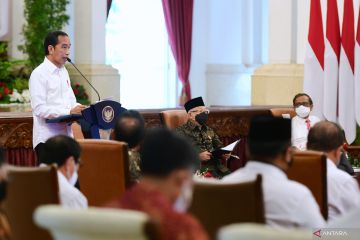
(24, 157)
(178, 18)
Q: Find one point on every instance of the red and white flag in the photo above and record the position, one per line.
(331, 64)
(346, 74)
(314, 59)
(357, 72)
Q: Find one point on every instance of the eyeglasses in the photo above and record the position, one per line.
(207, 111)
(305, 104)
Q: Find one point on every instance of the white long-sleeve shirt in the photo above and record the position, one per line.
(288, 204)
(299, 131)
(51, 96)
(343, 191)
(70, 197)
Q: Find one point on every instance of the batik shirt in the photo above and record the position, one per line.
(134, 166)
(173, 225)
(204, 138)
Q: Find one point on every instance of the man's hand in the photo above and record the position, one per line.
(205, 156)
(225, 156)
(77, 109)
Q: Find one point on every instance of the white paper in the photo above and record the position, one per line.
(231, 146)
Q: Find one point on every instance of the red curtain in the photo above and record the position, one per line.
(24, 157)
(178, 18)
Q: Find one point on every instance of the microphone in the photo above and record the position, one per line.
(69, 60)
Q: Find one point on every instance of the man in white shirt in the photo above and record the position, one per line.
(302, 122)
(343, 190)
(64, 151)
(50, 91)
(288, 204)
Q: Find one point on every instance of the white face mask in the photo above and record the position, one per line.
(73, 179)
(183, 201)
(302, 111)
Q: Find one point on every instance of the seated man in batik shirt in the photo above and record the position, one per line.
(204, 138)
(130, 128)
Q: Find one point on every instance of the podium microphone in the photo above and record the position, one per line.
(69, 60)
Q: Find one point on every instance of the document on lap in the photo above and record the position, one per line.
(227, 149)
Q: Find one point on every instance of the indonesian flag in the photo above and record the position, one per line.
(314, 59)
(346, 74)
(357, 72)
(331, 65)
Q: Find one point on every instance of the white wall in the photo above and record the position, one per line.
(230, 38)
(229, 41)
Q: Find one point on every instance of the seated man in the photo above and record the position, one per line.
(165, 187)
(288, 204)
(130, 128)
(64, 151)
(302, 122)
(204, 138)
(343, 190)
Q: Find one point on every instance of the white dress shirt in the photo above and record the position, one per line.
(299, 131)
(51, 96)
(343, 191)
(70, 196)
(288, 204)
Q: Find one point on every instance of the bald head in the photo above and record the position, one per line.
(325, 136)
(130, 128)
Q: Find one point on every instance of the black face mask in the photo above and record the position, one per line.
(202, 118)
(3, 187)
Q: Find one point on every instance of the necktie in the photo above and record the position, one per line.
(307, 121)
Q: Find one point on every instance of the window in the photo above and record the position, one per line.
(137, 45)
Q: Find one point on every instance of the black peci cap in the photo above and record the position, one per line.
(195, 102)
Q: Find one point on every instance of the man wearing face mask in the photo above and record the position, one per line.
(343, 190)
(204, 138)
(288, 204)
(64, 151)
(5, 232)
(302, 122)
(165, 187)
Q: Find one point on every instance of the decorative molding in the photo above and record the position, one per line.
(16, 135)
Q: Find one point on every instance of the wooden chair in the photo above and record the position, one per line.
(283, 112)
(104, 174)
(96, 223)
(173, 118)
(29, 188)
(220, 204)
(309, 168)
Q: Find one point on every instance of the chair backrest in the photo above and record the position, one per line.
(96, 223)
(104, 174)
(219, 204)
(309, 168)
(283, 112)
(251, 231)
(173, 118)
(29, 188)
